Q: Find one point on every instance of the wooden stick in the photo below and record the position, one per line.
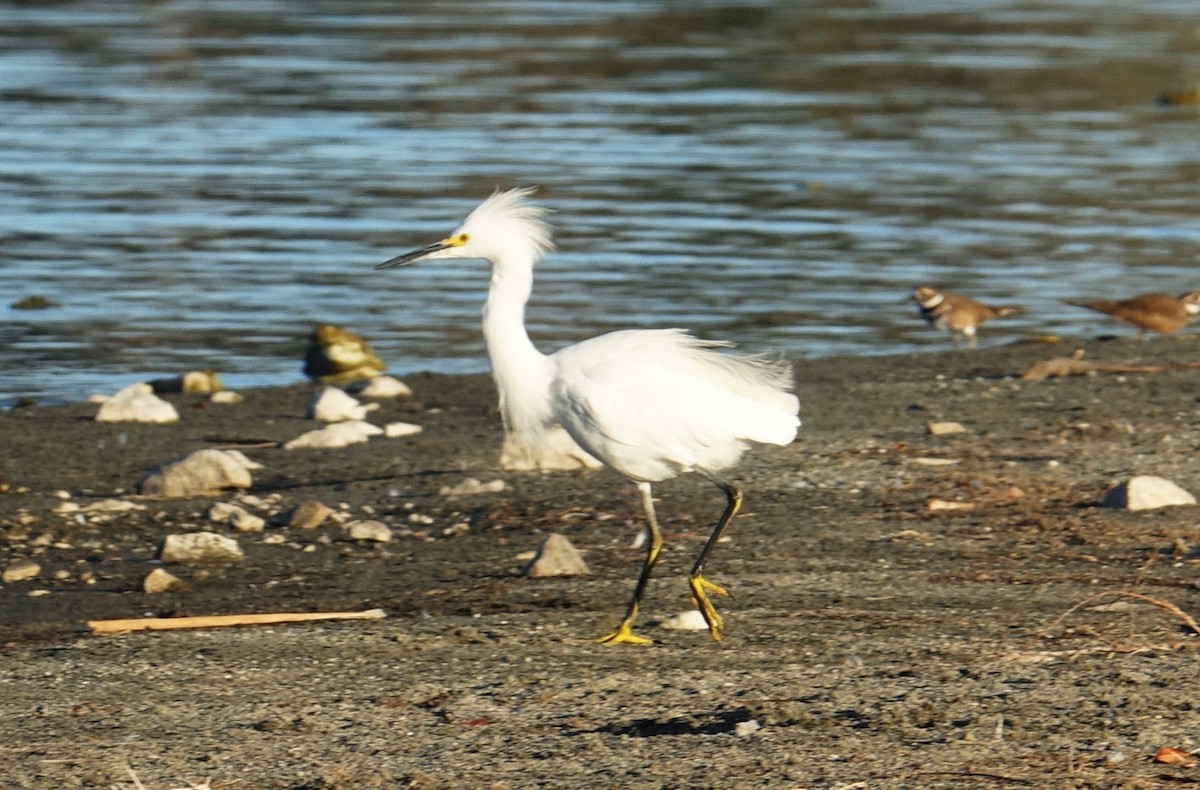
(223, 620)
(1076, 365)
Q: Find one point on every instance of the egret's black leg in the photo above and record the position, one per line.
(624, 632)
(701, 587)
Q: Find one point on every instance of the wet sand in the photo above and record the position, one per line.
(871, 641)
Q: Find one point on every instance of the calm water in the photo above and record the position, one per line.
(198, 182)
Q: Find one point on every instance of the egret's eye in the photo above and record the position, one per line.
(463, 238)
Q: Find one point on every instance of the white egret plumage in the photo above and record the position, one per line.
(649, 403)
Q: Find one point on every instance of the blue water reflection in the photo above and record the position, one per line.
(199, 183)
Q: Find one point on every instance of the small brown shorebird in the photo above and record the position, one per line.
(955, 313)
(1190, 96)
(1154, 312)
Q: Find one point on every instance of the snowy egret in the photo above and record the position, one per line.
(649, 403)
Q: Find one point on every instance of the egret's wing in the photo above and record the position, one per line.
(663, 394)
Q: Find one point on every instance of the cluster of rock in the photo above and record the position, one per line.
(140, 402)
(221, 530)
(336, 359)
(1139, 492)
(346, 418)
(334, 356)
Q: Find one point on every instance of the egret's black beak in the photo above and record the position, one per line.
(414, 256)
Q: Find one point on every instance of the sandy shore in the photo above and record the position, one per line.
(873, 641)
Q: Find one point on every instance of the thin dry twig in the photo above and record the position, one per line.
(1046, 656)
(978, 775)
(137, 783)
(1187, 619)
(1075, 365)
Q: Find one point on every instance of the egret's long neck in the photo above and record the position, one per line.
(522, 373)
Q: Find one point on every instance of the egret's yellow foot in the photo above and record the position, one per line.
(624, 635)
(701, 587)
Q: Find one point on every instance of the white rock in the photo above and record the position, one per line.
(557, 557)
(257, 502)
(248, 522)
(550, 450)
(691, 620)
(339, 434)
(1146, 492)
(309, 514)
(204, 472)
(159, 581)
(137, 403)
(19, 571)
(112, 506)
(934, 461)
(383, 387)
(200, 547)
(472, 486)
(375, 531)
(226, 396)
(946, 428)
(333, 405)
(238, 517)
(744, 729)
(394, 430)
(222, 511)
(238, 456)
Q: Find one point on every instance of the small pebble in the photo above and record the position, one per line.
(744, 729)
(200, 547)
(333, 405)
(19, 571)
(557, 557)
(472, 486)
(340, 434)
(384, 387)
(690, 620)
(395, 430)
(137, 403)
(1146, 492)
(369, 530)
(160, 581)
(201, 473)
(237, 517)
(309, 514)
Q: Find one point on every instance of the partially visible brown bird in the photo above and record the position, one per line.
(337, 356)
(1191, 96)
(1155, 312)
(955, 313)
